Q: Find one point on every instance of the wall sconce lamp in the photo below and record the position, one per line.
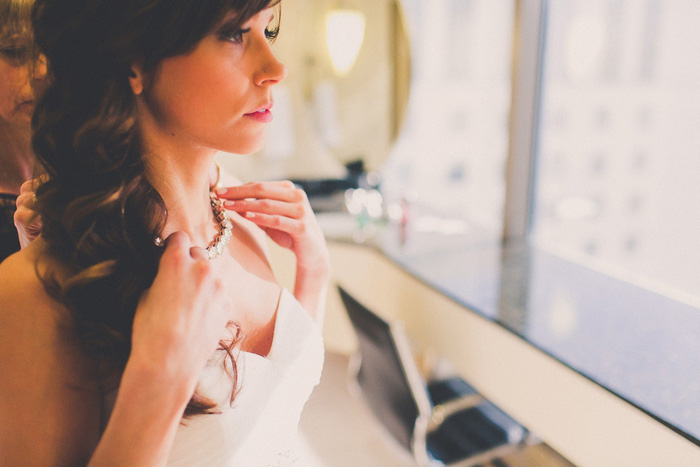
(345, 31)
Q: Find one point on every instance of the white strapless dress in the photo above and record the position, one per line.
(260, 428)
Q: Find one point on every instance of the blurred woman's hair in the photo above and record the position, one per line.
(99, 211)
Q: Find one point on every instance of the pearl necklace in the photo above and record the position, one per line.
(221, 239)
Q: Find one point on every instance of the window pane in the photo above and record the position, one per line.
(451, 153)
(618, 162)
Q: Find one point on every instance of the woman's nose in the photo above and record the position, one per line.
(38, 74)
(271, 70)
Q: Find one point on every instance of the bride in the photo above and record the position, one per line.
(144, 325)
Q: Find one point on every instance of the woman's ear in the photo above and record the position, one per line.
(136, 78)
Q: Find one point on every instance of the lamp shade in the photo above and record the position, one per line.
(345, 31)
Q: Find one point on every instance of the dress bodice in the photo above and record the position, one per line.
(260, 427)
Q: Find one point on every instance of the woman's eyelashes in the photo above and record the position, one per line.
(233, 35)
(237, 35)
(17, 54)
(272, 34)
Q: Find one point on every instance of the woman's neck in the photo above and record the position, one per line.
(183, 183)
(17, 162)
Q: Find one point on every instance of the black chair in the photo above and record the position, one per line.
(444, 422)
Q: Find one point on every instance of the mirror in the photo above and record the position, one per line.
(327, 115)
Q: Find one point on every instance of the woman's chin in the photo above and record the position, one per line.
(247, 148)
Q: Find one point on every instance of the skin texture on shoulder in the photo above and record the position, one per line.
(49, 404)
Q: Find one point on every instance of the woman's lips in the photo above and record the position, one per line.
(262, 116)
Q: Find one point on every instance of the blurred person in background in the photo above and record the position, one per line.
(21, 74)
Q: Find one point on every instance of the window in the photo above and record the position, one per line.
(450, 157)
(618, 159)
(593, 187)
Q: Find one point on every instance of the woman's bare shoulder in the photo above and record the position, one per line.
(18, 273)
(19, 277)
(26, 309)
(45, 393)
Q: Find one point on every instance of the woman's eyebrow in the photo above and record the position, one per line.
(227, 20)
(17, 39)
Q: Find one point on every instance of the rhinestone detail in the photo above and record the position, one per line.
(218, 245)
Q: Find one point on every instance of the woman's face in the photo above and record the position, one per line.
(219, 95)
(17, 97)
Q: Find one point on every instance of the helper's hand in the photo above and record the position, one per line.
(27, 221)
(181, 318)
(178, 324)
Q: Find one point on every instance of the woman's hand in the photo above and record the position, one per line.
(282, 210)
(181, 318)
(178, 324)
(27, 221)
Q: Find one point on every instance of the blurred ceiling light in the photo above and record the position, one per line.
(345, 31)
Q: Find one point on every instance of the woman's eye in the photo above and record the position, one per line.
(16, 54)
(234, 36)
(272, 34)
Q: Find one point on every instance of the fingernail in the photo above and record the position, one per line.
(249, 215)
(221, 191)
(229, 204)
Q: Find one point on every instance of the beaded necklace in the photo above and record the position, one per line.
(223, 237)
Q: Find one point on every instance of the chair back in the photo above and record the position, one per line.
(387, 374)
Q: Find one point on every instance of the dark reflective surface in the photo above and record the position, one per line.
(638, 344)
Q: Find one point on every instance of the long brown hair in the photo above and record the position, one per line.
(100, 214)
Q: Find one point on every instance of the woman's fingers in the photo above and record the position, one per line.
(277, 222)
(283, 211)
(30, 186)
(26, 220)
(267, 206)
(177, 242)
(276, 190)
(185, 312)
